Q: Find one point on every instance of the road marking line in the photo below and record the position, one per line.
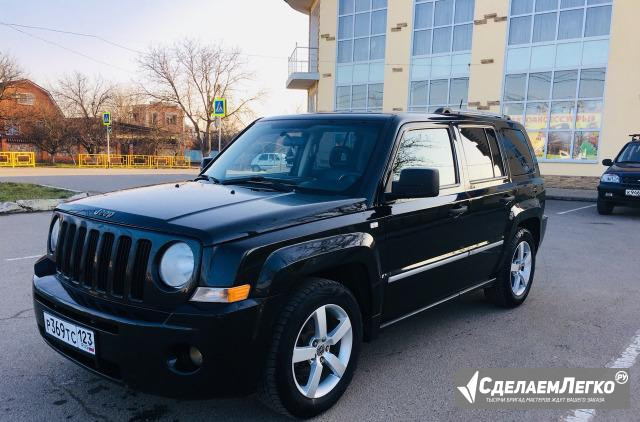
(24, 257)
(576, 209)
(626, 360)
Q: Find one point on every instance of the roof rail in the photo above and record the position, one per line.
(635, 136)
(447, 110)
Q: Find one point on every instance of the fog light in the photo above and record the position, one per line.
(195, 356)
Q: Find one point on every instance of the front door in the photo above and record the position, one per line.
(424, 237)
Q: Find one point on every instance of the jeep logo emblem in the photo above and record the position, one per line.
(104, 213)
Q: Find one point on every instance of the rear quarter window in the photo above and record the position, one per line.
(517, 152)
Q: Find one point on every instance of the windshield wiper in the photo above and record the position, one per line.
(207, 178)
(260, 180)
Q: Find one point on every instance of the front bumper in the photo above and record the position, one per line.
(615, 193)
(138, 346)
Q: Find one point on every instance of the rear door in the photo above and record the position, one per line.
(423, 236)
(491, 195)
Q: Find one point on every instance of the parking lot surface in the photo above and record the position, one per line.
(582, 312)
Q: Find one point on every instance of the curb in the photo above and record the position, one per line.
(36, 205)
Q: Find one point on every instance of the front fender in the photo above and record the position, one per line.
(286, 267)
(283, 266)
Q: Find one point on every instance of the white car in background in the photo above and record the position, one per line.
(269, 161)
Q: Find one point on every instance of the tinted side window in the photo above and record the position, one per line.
(478, 153)
(517, 152)
(429, 148)
(496, 157)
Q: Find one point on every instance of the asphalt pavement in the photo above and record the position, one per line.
(582, 312)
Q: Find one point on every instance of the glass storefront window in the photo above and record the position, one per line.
(441, 46)
(536, 116)
(362, 26)
(559, 146)
(585, 145)
(589, 115)
(562, 115)
(515, 111)
(538, 141)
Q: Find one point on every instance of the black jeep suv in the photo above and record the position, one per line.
(620, 183)
(271, 279)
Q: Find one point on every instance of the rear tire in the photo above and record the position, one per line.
(288, 382)
(605, 208)
(515, 276)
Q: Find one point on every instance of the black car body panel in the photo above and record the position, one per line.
(395, 255)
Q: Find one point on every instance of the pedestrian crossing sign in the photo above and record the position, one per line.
(219, 107)
(106, 118)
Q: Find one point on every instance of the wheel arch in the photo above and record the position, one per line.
(350, 259)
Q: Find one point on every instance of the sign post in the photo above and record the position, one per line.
(219, 111)
(106, 121)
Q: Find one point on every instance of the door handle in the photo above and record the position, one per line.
(507, 198)
(458, 211)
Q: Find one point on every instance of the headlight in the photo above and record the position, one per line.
(610, 178)
(53, 236)
(177, 265)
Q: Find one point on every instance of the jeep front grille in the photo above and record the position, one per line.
(106, 262)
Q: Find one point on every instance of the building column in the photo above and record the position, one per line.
(487, 54)
(327, 54)
(397, 55)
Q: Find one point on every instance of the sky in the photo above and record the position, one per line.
(266, 31)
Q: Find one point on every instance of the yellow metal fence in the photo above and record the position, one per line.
(133, 161)
(17, 159)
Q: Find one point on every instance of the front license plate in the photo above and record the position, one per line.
(632, 192)
(72, 334)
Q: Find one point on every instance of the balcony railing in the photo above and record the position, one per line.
(303, 59)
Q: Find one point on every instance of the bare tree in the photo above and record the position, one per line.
(9, 72)
(191, 74)
(83, 100)
(121, 103)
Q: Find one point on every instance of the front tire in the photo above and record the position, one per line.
(604, 208)
(255, 168)
(314, 351)
(515, 276)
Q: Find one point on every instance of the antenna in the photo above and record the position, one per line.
(460, 104)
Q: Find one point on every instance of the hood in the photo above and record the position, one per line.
(213, 213)
(625, 168)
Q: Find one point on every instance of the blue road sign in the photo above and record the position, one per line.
(219, 107)
(106, 118)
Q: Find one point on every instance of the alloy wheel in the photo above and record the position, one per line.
(521, 268)
(322, 351)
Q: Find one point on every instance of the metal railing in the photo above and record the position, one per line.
(133, 161)
(17, 159)
(303, 59)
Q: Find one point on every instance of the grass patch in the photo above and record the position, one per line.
(10, 191)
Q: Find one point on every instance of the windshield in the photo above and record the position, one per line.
(321, 155)
(631, 154)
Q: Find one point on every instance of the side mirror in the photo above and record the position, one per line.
(607, 162)
(417, 183)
